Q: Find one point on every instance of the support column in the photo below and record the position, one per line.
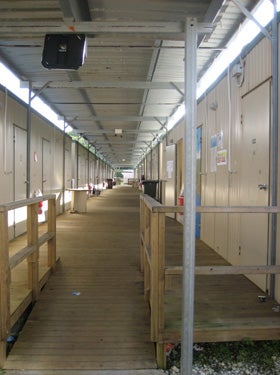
(28, 152)
(5, 280)
(63, 166)
(274, 144)
(189, 194)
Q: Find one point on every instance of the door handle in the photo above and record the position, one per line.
(262, 186)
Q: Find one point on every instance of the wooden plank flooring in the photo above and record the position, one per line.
(91, 315)
(226, 308)
(106, 326)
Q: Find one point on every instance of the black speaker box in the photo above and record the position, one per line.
(64, 51)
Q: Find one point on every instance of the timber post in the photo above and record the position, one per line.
(142, 240)
(5, 281)
(52, 229)
(157, 282)
(33, 259)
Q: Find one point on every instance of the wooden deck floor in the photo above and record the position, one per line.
(106, 326)
(227, 307)
(92, 314)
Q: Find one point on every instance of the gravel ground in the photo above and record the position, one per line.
(243, 358)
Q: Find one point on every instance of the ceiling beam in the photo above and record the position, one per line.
(77, 10)
(252, 18)
(117, 142)
(120, 103)
(112, 131)
(98, 27)
(106, 84)
(118, 118)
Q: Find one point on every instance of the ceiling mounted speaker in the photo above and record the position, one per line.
(64, 51)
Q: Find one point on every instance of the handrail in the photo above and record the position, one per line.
(25, 202)
(225, 270)
(29, 253)
(152, 256)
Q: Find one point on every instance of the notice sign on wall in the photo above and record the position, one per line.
(218, 154)
(221, 157)
(170, 167)
(213, 153)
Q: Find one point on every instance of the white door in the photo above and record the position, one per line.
(82, 170)
(170, 177)
(20, 163)
(46, 166)
(255, 178)
(68, 171)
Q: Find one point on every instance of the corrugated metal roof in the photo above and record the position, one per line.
(134, 65)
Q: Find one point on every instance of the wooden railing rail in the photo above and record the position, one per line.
(30, 253)
(225, 270)
(152, 258)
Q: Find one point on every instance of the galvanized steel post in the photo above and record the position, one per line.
(189, 196)
(274, 146)
(28, 144)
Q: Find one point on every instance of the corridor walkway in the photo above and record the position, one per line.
(91, 315)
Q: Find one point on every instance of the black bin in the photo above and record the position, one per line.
(109, 183)
(150, 187)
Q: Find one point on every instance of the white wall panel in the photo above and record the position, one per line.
(207, 232)
(221, 111)
(254, 171)
(68, 164)
(257, 66)
(155, 163)
(82, 166)
(20, 178)
(11, 114)
(46, 157)
(148, 175)
(220, 114)
(170, 177)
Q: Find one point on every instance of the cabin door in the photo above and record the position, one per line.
(254, 178)
(46, 167)
(170, 172)
(20, 167)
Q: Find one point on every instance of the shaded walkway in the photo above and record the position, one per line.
(92, 314)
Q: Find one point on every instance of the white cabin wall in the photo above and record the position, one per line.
(68, 162)
(11, 114)
(91, 168)
(234, 175)
(221, 110)
(220, 115)
(208, 183)
(13, 144)
(42, 131)
(67, 172)
(221, 194)
(82, 166)
(155, 163)
(257, 66)
(148, 175)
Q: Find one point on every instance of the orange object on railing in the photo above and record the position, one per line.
(40, 208)
(180, 202)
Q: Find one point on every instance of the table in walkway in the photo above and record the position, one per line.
(79, 200)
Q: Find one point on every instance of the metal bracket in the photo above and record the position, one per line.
(252, 18)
